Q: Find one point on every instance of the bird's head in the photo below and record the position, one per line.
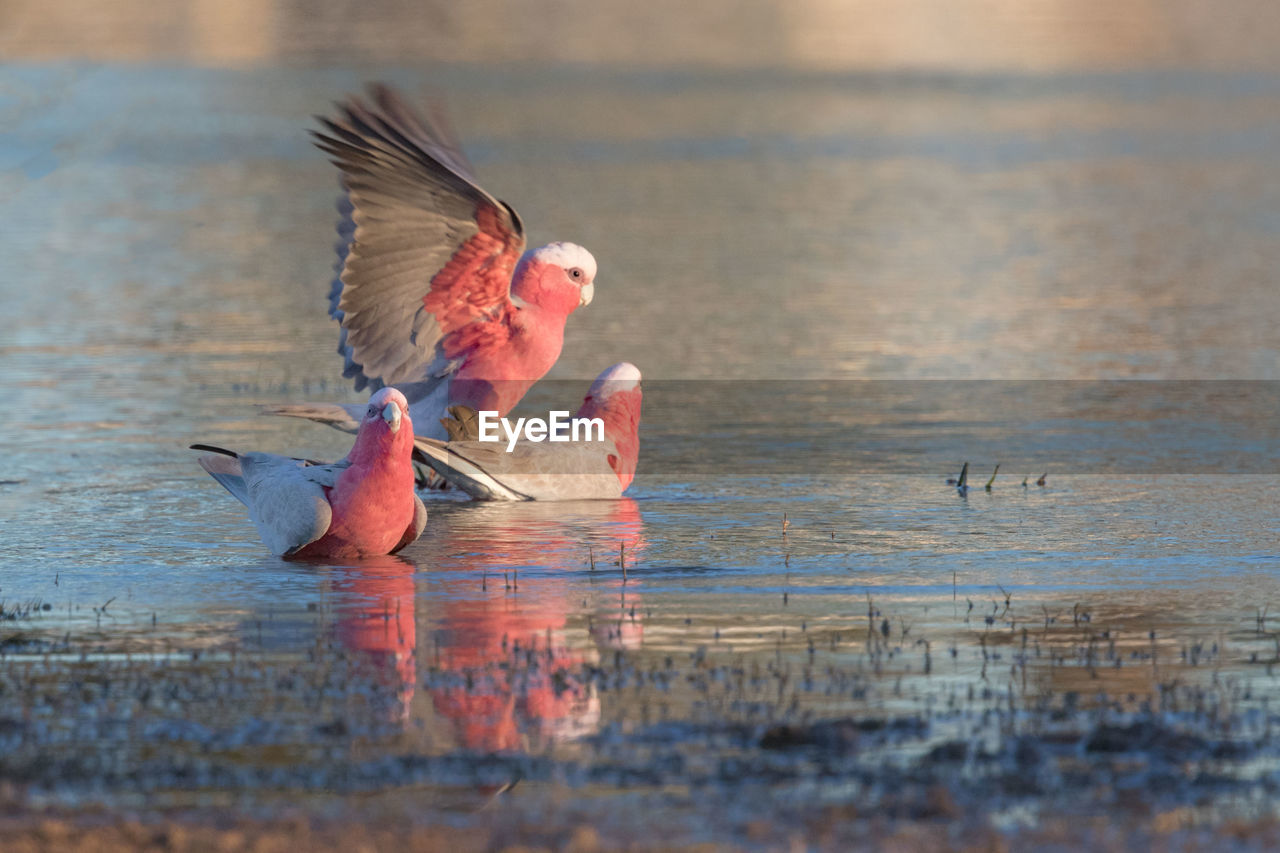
(388, 406)
(558, 276)
(385, 428)
(620, 378)
(615, 397)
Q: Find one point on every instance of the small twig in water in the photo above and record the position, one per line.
(1007, 595)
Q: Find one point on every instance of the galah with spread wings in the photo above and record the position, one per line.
(435, 293)
(545, 471)
(361, 506)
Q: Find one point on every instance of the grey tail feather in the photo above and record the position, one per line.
(228, 477)
(212, 449)
(235, 485)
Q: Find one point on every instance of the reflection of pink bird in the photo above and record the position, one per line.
(434, 293)
(554, 471)
(518, 654)
(376, 620)
(363, 505)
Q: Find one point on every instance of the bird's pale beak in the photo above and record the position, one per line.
(391, 414)
(588, 291)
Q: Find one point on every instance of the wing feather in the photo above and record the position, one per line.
(423, 251)
(287, 499)
(540, 472)
(415, 528)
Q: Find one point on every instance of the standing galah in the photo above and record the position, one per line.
(361, 506)
(435, 293)
(545, 471)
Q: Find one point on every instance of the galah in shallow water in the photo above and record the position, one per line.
(546, 471)
(435, 293)
(361, 506)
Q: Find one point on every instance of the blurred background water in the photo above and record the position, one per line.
(851, 246)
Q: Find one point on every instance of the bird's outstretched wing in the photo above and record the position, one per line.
(425, 255)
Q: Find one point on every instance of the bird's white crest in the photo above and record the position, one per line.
(392, 404)
(621, 377)
(567, 255)
(383, 396)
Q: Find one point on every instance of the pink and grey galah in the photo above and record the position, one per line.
(435, 292)
(361, 506)
(545, 471)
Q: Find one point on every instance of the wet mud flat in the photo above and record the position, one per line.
(1005, 722)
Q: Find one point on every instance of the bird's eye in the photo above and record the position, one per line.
(575, 273)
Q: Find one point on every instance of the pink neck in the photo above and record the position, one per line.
(379, 447)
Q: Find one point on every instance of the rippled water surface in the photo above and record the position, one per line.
(809, 616)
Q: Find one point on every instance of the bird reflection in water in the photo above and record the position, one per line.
(508, 636)
(375, 622)
(510, 633)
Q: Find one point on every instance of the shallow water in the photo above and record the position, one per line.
(789, 258)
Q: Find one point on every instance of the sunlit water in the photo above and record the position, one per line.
(793, 555)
